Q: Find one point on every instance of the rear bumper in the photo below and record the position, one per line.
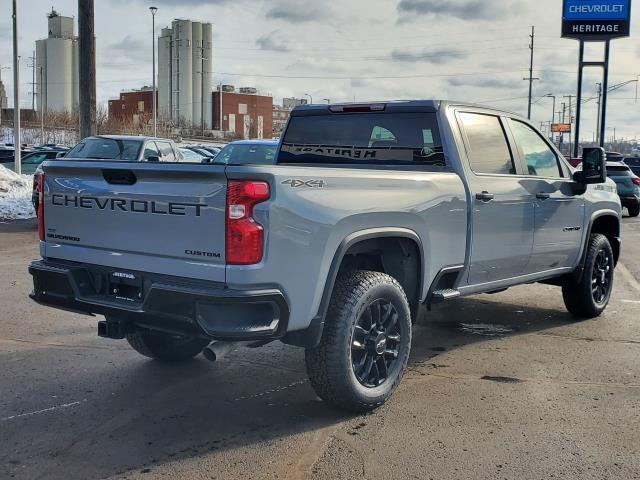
(170, 304)
(627, 200)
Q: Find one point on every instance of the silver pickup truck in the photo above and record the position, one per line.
(370, 214)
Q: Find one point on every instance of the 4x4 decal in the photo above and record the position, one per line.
(295, 183)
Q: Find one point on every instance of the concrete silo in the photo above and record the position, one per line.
(182, 65)
(196, 79)
(165, 90)
(57, 66)
(207, 77)
(185, 73)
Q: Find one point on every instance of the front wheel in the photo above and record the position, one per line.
(165, 347)
(589, 297)
(365, 343)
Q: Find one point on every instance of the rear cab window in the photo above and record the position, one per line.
(619, 171)
(372, 138)
(488, 149)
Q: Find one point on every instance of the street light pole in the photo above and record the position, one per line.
(41, 110)
(328, 100)
(16, 95)
(310, 97)
(153, 29)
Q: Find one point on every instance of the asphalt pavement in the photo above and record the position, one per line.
(504, 386)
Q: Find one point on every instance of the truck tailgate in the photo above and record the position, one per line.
(153, 217)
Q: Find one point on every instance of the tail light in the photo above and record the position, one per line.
(40, 191)
(636, 181)
(245, 236)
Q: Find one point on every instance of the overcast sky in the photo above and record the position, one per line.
(471, 50)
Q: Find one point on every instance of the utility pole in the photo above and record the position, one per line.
(531, 78)
(153, 30)
(41, 109)
(33, 81)
(17, 144)
(599, 93)
(570, 97)
(87, 65)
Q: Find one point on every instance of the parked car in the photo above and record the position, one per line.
(242, 152)
(198, 150)
(213, 151)
(372, 214)
(192, 156)
(125, 148)
(7, 153)
(634, 164)
(32, 161)
(628, 185)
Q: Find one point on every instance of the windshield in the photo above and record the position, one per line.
(106, 149)
(191, 156)
(247, 154)
(382, 138)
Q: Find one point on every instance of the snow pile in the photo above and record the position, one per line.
(15, 195)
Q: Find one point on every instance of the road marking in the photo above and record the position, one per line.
(628, 276)
(45, 410)
(630, 301)
(270, 391)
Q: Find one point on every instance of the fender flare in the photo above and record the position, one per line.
(583, 248)
(310, 337)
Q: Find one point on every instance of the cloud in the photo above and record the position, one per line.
(129, 48)
(437, 57)
(274, 41)
(293, 11)
(461, 9)
(485, 82)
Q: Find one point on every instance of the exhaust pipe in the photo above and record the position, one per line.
(218, 349)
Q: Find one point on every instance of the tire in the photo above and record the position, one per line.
(634, 210)
(165, 347)
(589, 297)
(359, 298)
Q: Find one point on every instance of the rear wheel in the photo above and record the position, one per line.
(365, 342)
(162, 346)
(589, 297)
(634, 210)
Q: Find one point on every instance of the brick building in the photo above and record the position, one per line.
(245, 114)
(134, 106)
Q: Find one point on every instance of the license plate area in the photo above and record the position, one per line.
(125, 286)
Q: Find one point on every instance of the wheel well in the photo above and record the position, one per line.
(609, 226)
(396, 256)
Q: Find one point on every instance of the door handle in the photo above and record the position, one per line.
(542, 195)
(484, 196)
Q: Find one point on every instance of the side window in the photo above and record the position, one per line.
(150, 150)
(167, 152)
(541, 160)
(489, 151)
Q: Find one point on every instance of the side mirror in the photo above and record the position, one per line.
(153, 158)
(594, 166)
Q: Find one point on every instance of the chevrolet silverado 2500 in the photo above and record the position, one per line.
(369, 214)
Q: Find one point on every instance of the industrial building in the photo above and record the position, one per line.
(185, 73)
(57, 83)
(243, 114)
(3, 96)
(133, 106)
(281, 113)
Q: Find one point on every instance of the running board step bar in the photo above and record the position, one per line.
(443, 295)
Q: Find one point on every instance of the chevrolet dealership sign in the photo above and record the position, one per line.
(596, 19)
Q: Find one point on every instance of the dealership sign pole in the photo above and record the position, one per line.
(595, 21)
